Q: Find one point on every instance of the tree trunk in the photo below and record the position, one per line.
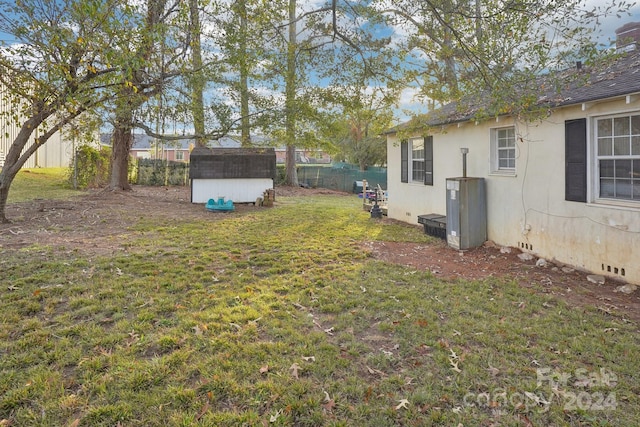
(245, 124)
(122, 142)
(291, 174)
(197, 79)
(17, 156)
(5, 184)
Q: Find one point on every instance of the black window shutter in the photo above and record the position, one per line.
(575, 140)
(428, 160)
(404, 161)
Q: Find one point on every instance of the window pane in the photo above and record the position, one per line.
(621, 126)
(417, 173)
(510, 153)
(635, 125)
(623, 168)
(417, 149)
(623, 188)
(635, 145)
(607, 188)
(604, 127)
(606, 169)
(604, 147)
(618, 146)
(621, 146)
(507, 135)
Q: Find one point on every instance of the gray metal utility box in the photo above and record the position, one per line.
(238, 174)
(466, 212)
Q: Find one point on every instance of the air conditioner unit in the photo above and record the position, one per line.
(466, 212)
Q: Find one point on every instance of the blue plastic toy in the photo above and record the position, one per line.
(219, 205)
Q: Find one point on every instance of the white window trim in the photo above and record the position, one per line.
(411, 160)
(593, 170)
(494, 163)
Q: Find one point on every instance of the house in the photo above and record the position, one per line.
(565, 188)
(146, 147)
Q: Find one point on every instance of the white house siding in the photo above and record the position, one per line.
(528, 210)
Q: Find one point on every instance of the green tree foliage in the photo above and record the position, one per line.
(158, 56)
(363, 114)
(61, 66)
(468, 49)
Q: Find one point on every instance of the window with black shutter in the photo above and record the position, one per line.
(428, 160)
(576, 160)
(404, 161)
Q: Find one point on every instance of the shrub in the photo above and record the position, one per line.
(90, 167)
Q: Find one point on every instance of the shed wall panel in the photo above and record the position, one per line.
(239, 190)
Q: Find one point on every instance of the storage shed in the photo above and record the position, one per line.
(238, 174)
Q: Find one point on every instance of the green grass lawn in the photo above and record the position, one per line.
(41, 183)
(279, 318)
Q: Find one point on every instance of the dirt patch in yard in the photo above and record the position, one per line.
(491, 260)
(92, 223)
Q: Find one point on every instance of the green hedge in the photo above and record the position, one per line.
(90, 167)
(162, 172)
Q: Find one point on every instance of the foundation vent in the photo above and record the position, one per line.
(525, 246)
(620, 271)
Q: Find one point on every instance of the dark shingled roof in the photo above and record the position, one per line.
(620, 77)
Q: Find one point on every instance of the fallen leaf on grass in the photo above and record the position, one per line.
(275, 416)
(5, 422)
(329, 405)
(375, 371)
(403, 404)
(294, 370)
(535, 398)
(493, 371)
(264, 369)
(203, 411)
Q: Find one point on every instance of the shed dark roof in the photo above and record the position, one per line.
(229, 163)
(619, 77)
